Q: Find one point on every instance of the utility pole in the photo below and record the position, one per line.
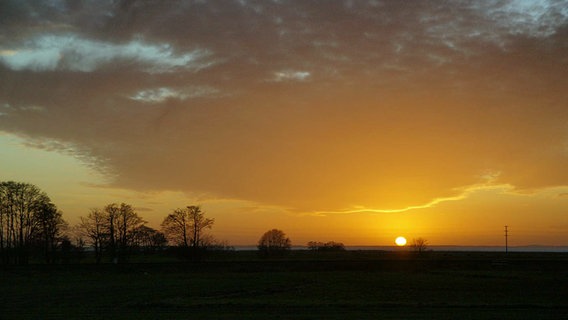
(506, 239)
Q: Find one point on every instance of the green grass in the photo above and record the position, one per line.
(364, 288)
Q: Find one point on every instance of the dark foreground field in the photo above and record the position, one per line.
(348, 286)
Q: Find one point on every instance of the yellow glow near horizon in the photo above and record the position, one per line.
(76, 188)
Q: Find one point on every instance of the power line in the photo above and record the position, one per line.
(506, 239)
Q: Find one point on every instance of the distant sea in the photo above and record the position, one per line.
(530, 248)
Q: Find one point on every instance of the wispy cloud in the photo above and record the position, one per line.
(70, 52)
(290, 75)
(536, 18)
(162, 94)
(7, 108)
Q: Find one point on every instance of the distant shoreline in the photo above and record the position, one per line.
(448, 248)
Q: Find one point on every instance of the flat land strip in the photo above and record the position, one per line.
(335, 286)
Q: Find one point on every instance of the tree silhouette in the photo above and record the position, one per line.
(327, 246)
(419, 245)
(274, 242)
(149, 239)
(177, 227)
(122, 222)
(184, 227)
(27, 218)
(94, 228)
(112, 229)
(199, 223)
(50, 227)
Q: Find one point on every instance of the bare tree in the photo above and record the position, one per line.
(111, 212)
(122, 223)
(51, 225)
(184, 227)
(419, 245)
(177, 228)
(199, 223)
(112, 229)
(274, 242)
(21, 207)
(94, 228)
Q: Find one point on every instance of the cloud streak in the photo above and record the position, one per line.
(462, 193)
(70, 52)
(164, 93)
(291, 75)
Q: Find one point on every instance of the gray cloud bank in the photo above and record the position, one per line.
(314, 105)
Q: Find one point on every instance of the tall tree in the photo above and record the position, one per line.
(122, 223)
(23, 206)
(93, 227)
(51, 225)
(185, 227)
(177, 227)
(111, 215)
(199, 223)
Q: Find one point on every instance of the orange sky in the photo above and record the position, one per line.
(351, 121)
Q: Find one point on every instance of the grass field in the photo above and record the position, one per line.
(303, 286)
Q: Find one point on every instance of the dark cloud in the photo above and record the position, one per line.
(315, 105)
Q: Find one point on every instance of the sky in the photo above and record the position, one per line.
(346, 121)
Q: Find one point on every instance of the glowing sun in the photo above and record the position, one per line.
(400, 241)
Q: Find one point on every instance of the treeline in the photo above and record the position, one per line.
(326, 246)
(29, 223)
(31, 227)
(116, 231)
